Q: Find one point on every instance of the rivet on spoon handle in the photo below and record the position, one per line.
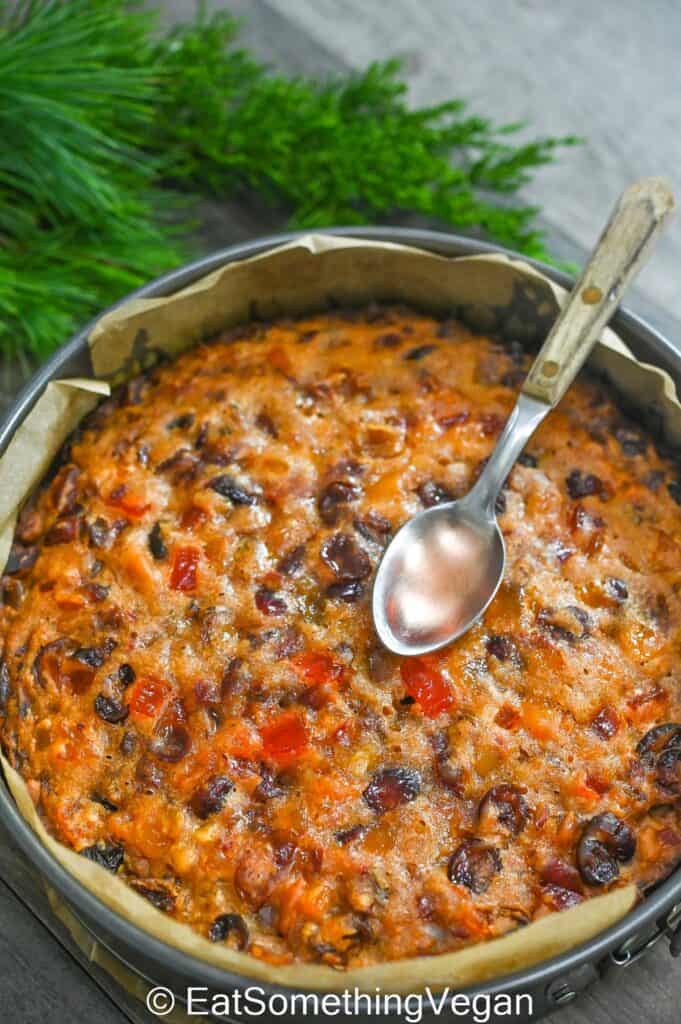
(621, 251)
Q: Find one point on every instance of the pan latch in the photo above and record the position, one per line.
(668, 927)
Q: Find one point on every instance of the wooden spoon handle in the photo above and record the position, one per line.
(623, 248)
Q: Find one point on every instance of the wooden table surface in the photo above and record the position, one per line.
(608, 71)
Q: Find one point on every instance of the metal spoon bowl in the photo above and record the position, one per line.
(443, 567)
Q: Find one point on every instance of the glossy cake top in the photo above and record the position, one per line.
(191, 684)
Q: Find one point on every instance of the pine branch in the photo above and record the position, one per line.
(97, 112)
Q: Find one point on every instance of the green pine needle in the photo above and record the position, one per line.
(99, 114)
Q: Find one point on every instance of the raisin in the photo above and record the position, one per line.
(269, 603)
(668, 770)
(505, 804)
(616, 589)
(229, 924)
(391, 339)
(374, 527)
(529, 460)
(582, 485)
(674, 488)
(500, 503)
(182, 422)
(126, 674)
(268, 788)
(103, 802)
(102, 535)
(210, 798)
(345, 558)
(414, 354)
(656, 739)
(568, 624)
(63, 532)
(156, 543)
(107, 855)
(631, 441)
(5, 687)
(334, 495)
(474, 864)
(46, 662)
(433, 493)
(94, 657)
(349, 591)
(391, 787)
(96, 592)
(65, 490)
(227, 487)
(349, 835)
(110, 710)
(562, 875)
(265, 423)
(158, 897)
(171, 742)
(292, 561)
(20, 560)
(606, 842)
(183, 465)
(502, 647)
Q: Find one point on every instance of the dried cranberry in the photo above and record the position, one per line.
(414, 354)
(292, 562)
(391, 787)
(505, 804)
(474, 864)
(229, 924)
(158, 897)
(335, 495)
(269, 603)
(606, 842)
(47, 661)
(227, 487)
(561, 874)
(433, 493)
(110, 710)
(107, 855)
(20, 560)
(582, 485)
(345, 558)
(349, 591)
(96, 592)
(209, 799)
(156, 543)
(606, 723)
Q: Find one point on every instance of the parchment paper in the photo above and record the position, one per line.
(490, 293)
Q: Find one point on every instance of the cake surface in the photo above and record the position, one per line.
(192, 688)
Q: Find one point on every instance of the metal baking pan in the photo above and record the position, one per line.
(550, 983)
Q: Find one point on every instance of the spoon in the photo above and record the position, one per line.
(444, 566)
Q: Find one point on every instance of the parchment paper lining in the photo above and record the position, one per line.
(492, 293)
